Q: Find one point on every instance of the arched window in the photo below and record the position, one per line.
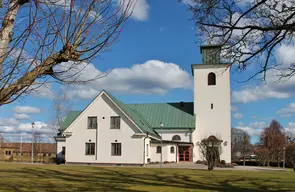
(172, 149)
(176, 138)
(159, 149)
(211, 79)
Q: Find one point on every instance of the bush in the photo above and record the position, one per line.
(172, 161)
(51, 160)
(234, 164)
(229, 165)
(222, 162)
(219, 165)
(165, 162)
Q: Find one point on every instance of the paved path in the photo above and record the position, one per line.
(191, 165)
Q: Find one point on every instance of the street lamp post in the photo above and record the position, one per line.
(32, 156)
(161, 164)
(284, 150)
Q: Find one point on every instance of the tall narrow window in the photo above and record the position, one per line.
(211, 79)
(115, 122)
(92, 122)
(172, 149)
(116, 149)
(63, 150)
(211, 105)
(159, 149)
(89, 148)
(147, 150)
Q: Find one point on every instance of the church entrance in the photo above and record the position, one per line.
(184, 153)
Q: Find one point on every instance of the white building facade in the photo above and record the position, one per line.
(108, 131)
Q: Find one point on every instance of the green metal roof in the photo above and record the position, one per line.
(71, 116)
(149, 116)
(172, 115)
(136, 118)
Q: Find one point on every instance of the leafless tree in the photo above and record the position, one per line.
(45, 41)
(290, 154)
(249, 31)
(210, 150)
(61, 106)
(240, 143)
(262, 155)
(273, 139)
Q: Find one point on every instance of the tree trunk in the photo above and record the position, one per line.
(6, 32)
(244, 160)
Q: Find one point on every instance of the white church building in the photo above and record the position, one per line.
(111, 132)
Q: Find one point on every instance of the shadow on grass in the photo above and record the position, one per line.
(116, 179)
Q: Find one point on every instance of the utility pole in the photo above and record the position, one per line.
(161, 164)
(32, 157)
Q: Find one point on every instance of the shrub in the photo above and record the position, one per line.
(51, 160)
(172, 161)
(165, 162)
(228, 165)
(199, 162)
(222, 162)
(218, 165)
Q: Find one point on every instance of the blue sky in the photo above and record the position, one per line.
(159, 38)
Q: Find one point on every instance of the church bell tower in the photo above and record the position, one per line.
(212, 100)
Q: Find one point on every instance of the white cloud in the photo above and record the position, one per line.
(26, 109)
(41, 90)
(140, 8)
(258, 124)
(237, 115)
(151, 77)
(273, 88)
(254, 117)
(162, 29)
(14, 126)
(21, 116)
(8, 122)
(234, 108)
(254, 128)
(256, 93)
(287, 111)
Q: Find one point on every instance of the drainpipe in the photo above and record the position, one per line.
(147, 135)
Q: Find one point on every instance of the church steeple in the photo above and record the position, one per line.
(210, 54)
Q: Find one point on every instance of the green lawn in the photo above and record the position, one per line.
(21, 177)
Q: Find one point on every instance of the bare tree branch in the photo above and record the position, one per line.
(42, 40)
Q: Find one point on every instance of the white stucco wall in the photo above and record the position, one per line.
(216, 121)
(103, 108)
(166, 156)
(59, 145)
(185, 135)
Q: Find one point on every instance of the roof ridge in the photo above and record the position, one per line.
(145, 121)
(158, 103)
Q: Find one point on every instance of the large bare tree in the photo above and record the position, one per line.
(61, 106)
(240, 144)
(273, 139)
(249, 31)
(53, 40)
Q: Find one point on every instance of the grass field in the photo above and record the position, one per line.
(23, 177)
